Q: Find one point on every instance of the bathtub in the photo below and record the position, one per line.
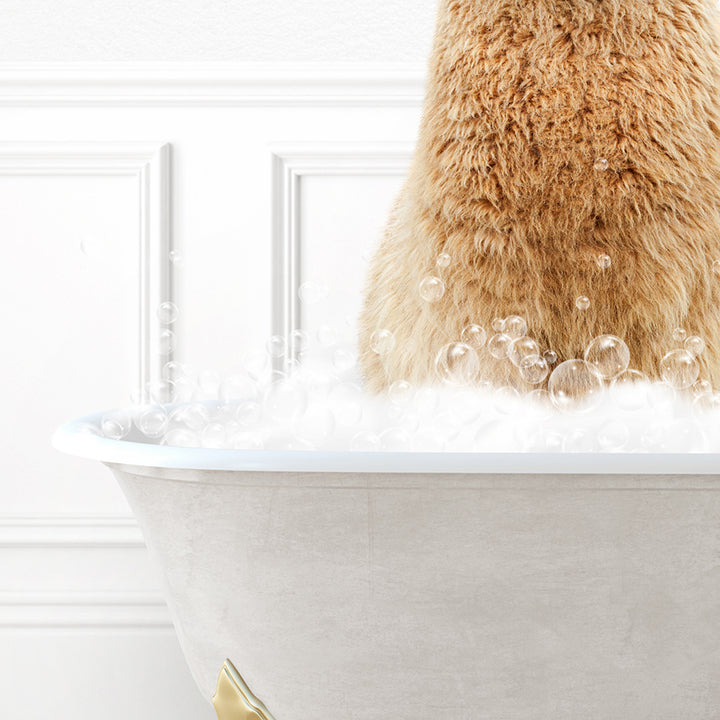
(416, 586)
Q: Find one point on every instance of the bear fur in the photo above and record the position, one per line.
(523, 98)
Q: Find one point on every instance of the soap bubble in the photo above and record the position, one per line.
(573, 386)
(432, 289)
(601, 164)
(400, 392)
(248, 413)
(365, 441)
(630, 390)
(534, 369)
(167, 313)
(522, 348)
(116, 424)
(716, 267)
(316, 425)
(457, 364)
(298, 341)
(344, 360)
(176, 258)
(193, 416)
(498, 325)
(326, 336)
(695, 345)
(382, 342)
(505, 400)
(152, 421)
(707, 402)
(607, 356)
(213, 435)
(166, 342)
(515, 326)
(582, 302)
(238, 387)
(312, 293)
(499, 345)
(180, 437)
(702, 387)
(613, 436)
(285, 400)
(550, 356)
(679, 334)
(578, 440)
(276, 346)
(443, 260)
(604, 261)
(679, 369)
(474, 336)
(173, 370)
(208, 386)
(346, 401)
(395, 439)
(243, 440)
(160, 391)
(426, 400)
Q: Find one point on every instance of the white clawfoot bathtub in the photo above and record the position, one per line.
(358, 586)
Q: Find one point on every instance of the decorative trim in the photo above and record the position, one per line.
(150, 164)
(88, 532)
(289, 165)
(211, 84)
(233, 699)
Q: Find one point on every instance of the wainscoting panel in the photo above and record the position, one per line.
(219, 188)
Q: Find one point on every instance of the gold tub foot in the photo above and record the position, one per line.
(233, 699)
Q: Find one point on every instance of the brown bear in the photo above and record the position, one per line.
(568, 163)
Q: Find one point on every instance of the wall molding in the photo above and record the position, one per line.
(290, 164)
(70, 608)
(212, 84)
(149, 163)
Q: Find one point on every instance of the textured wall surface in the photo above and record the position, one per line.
(228, 30)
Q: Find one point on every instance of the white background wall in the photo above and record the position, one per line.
(252, 148)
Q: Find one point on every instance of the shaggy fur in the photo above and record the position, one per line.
(523, 97)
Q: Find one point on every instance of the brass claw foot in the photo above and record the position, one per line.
(233, 699)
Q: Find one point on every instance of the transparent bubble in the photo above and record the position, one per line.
(550, 356)
(695, 345)
(613, 436)
(426, 400)
(578, 440)
(346, 402)
(285, 400)
(679, 334)
(116, 424)
(175, 370)
(180, 437)
(607, 356)
(432, 289)
(604, 261)
(515, 326)
(582, 302)
(401, 392)
(243, 440)
(630, 390)
(276, 346)
(248, 413)
(395, 440)
(573, 386)
(522, 348)
(312, 293)
(499, 345)
(443, 260)
(235, 388)
(326, 336)
(505, 400)
(474, 336)
(498, 325)
(534, 369)
(208, 386)
(344, 360)
(716, 267)
(167, 313)
(213, 435)
(702, 387)
(365, 441)
(152, 421)
(193, 416)
(298, 341)
(457, 364)
(679, 369)
(601, 164)
(160, 391)
(315, 426)
(176, 258)
(707, 402)
(540, 398)
(166, 342)
(382, 342)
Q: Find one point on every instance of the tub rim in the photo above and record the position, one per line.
(72, 438)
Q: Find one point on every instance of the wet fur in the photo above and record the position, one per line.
(522, 98)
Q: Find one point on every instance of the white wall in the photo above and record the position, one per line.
(104, 169)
